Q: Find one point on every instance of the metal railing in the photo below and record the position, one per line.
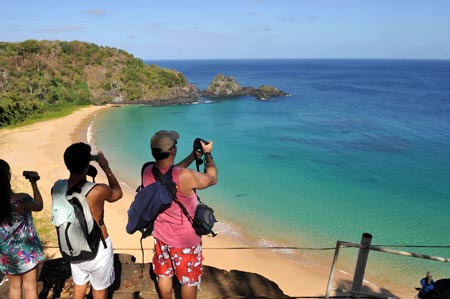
(364, 249)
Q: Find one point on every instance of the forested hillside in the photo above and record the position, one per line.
(37, 77)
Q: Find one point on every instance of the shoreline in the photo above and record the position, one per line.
(48, 140)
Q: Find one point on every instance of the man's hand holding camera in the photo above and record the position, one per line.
(202, 147)
(102, 162)
(206, 146)
(116, 191)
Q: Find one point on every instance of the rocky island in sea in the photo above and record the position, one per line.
(223, 86)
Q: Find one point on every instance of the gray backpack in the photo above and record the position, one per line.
(78, 233)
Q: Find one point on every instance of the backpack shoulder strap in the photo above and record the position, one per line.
(144, 166)
(167, 177)
(86, 188)
(167, 181)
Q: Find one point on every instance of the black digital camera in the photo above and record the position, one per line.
(31, 175)
(94, 158)
(198, 146)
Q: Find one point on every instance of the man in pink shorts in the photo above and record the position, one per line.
(178, 249)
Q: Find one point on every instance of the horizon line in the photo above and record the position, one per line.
(335, 58)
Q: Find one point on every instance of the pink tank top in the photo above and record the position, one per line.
(172, 226)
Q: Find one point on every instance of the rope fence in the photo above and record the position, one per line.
(345, 244)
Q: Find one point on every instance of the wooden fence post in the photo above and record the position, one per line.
(363, 254)
(333, 269)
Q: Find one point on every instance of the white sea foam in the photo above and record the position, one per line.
(228, 229)
(90, 134)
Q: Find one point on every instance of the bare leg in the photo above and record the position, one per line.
(100, 294)
(79, 291)
(165, 286)
(15, 286)
(30, 284)
(188, 292)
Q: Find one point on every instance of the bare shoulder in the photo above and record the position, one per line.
(106, 192)
(191, 179)
(18, 196)
(100, 191)
(186, 173)
(185, 170)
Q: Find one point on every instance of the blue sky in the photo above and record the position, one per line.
(210, 29)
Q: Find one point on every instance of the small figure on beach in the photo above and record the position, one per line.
(177, 247)
(20, 247)
(99, 271)
(427, 289)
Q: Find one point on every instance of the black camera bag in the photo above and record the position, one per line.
(204, 220)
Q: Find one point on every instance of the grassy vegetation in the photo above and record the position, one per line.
(55, 112)
(43, 77)
(45, 229)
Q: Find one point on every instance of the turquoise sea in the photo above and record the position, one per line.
(358, 146)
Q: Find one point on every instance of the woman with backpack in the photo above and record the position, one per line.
(20, 247)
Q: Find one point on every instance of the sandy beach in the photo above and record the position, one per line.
(40, 147)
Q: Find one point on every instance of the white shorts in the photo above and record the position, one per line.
(99, 271)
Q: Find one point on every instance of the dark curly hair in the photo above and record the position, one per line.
(5, 192)
(77, 157)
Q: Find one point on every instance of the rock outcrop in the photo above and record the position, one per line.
(175, 96)
(223, 86)
(267, 92)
